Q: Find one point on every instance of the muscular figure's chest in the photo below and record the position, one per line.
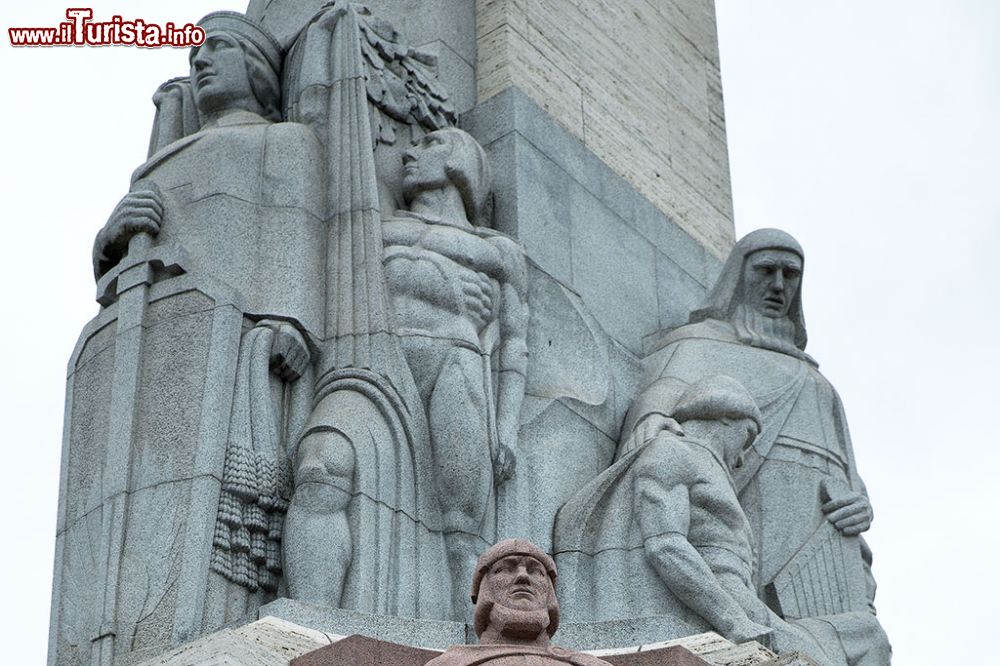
(421, 241)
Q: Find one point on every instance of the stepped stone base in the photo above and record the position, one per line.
(272, 641)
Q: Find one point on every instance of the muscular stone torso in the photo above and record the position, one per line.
(811, 446)
(426, 266)
(718, 528)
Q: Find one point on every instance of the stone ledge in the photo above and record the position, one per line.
(273, 641)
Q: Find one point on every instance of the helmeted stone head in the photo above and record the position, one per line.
(723, 400)
(237, 66)
(514, 590)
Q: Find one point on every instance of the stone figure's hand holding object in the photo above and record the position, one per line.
(849, 511)
(289, 352)
(139, 211)
(652, 425)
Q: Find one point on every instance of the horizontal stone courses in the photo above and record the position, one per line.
(513, 112)
(630, 79)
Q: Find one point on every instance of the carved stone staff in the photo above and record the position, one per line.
(127, 284)
(351, 80)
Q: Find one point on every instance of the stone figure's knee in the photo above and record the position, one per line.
(324, 469)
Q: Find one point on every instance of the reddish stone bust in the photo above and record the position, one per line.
(516, 611)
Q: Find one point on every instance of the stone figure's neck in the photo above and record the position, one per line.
(508, 626)
(443, 206)
(705, 438)
(229, 116)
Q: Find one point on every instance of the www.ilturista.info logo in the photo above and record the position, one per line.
(80, 30)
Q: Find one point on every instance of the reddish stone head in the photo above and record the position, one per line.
(514, 592)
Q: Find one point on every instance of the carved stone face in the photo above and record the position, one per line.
(219, 74)
(739, 437)
(425, 164)
(771, 281)
(519, 582)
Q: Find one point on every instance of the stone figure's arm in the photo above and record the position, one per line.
(663, 506)
(289, 356)
(651, 425)
(846, 505)
(139, 211)
(293, 167)
(512, 360)
(650, 414)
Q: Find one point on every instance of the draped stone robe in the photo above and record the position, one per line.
(804, 443)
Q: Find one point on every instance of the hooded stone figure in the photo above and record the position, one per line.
(799, 484)
(723, 303)
(665, 518)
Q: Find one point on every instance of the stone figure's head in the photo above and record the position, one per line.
(514, 592)
(771, 281)
(237, 67)
(760, 291)
(725, 412)
(446, 157)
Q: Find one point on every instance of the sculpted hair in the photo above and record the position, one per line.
(262, 54)
(264, 80)
(468, 170)
(727, 294)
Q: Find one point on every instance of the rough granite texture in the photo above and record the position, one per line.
(273, 641)
(324, 337)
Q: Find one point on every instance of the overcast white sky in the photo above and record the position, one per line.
(869, 129)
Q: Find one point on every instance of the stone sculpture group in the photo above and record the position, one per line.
(307, 376)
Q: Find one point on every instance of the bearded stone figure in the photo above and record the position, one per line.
(798, 484)
(667, 513)
(517, 612)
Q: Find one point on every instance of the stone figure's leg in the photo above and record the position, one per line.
(317, 539)
(460, 440)
(864, 641)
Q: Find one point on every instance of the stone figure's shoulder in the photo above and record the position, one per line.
(669, 458)
(292, 142)
(709, 329)
(292, 134)
(502, 241)
(512, 255)
(291, 158)
(501, 655)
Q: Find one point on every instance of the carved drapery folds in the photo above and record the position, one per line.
(256, 477)
(307, 377)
